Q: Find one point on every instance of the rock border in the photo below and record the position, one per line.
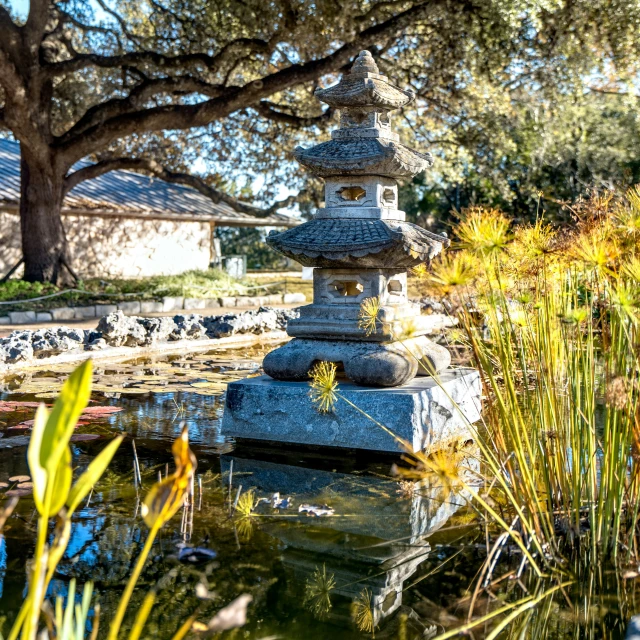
(120, 335)
(168, 303)
(181, 346)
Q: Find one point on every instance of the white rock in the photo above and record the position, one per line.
(188, 327)
(195, 303)
(129, 308)
(84, 312)
(294, 298)
(5, 320)
(172, 303)
(150, 306)
(44, 316)
(63, 313)
(248, 301)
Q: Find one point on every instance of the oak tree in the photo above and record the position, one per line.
(140, 84)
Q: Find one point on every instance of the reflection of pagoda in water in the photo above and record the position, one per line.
(360, 244)
(373, 543)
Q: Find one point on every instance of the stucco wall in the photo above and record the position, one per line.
(120, 247)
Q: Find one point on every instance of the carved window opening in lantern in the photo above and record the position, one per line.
(356, 118)
(388, 197)
(395, 287)
(345, 288)
(384, 120)
(351, 194)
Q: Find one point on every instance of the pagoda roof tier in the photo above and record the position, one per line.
(358, 243)
(365, 87)
(365, 93)
(363, 156)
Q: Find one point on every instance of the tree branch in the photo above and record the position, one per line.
(268, 110)
(153, 167)
(9, 31)
(120, 20)
(100, 113)
(234, 98)
(212, 63)
(613, 92)
(36, 24)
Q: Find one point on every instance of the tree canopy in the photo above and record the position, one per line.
(227, 86)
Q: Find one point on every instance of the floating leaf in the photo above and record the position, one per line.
(101, 411)
(85, 437)
(205, 385)
(18, 493)
(232, 616)
(19, 478)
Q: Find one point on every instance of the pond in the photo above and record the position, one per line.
(398, 555)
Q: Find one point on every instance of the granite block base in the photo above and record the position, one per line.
(422, 412)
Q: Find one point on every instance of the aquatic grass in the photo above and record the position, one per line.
(559, 317)
(323, 386)
(317, 596)
(368, 314)
(552, 322)
(483, 232)
(362, 613)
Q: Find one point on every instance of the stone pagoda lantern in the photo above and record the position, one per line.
(360, 245)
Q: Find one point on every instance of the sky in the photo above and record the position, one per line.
(21, 7)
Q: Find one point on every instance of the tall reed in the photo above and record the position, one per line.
(552, 321)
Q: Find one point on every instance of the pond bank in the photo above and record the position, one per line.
(119, 336)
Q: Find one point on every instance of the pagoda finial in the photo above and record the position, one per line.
(364, 64)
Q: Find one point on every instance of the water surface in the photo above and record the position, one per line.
(400, 555)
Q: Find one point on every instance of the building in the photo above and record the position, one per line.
(125, 224)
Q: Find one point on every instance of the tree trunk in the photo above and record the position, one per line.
(44, 243)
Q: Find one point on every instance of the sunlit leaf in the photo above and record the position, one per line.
(38, 470)
(167, 496)
(73, 398)
(143, 614)
(61, 481)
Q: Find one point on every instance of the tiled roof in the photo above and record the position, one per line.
(129, 193)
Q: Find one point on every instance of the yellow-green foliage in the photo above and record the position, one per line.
(57, 496)
(54, 493)
(552, 319)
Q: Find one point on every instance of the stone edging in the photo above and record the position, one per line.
(119, 353)
(118, 335)
(175, 303)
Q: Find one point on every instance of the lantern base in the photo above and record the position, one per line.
(422, 413)
(375, 364)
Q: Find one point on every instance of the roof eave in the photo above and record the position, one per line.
(170, 216)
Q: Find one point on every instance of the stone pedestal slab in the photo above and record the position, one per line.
(421, 412)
